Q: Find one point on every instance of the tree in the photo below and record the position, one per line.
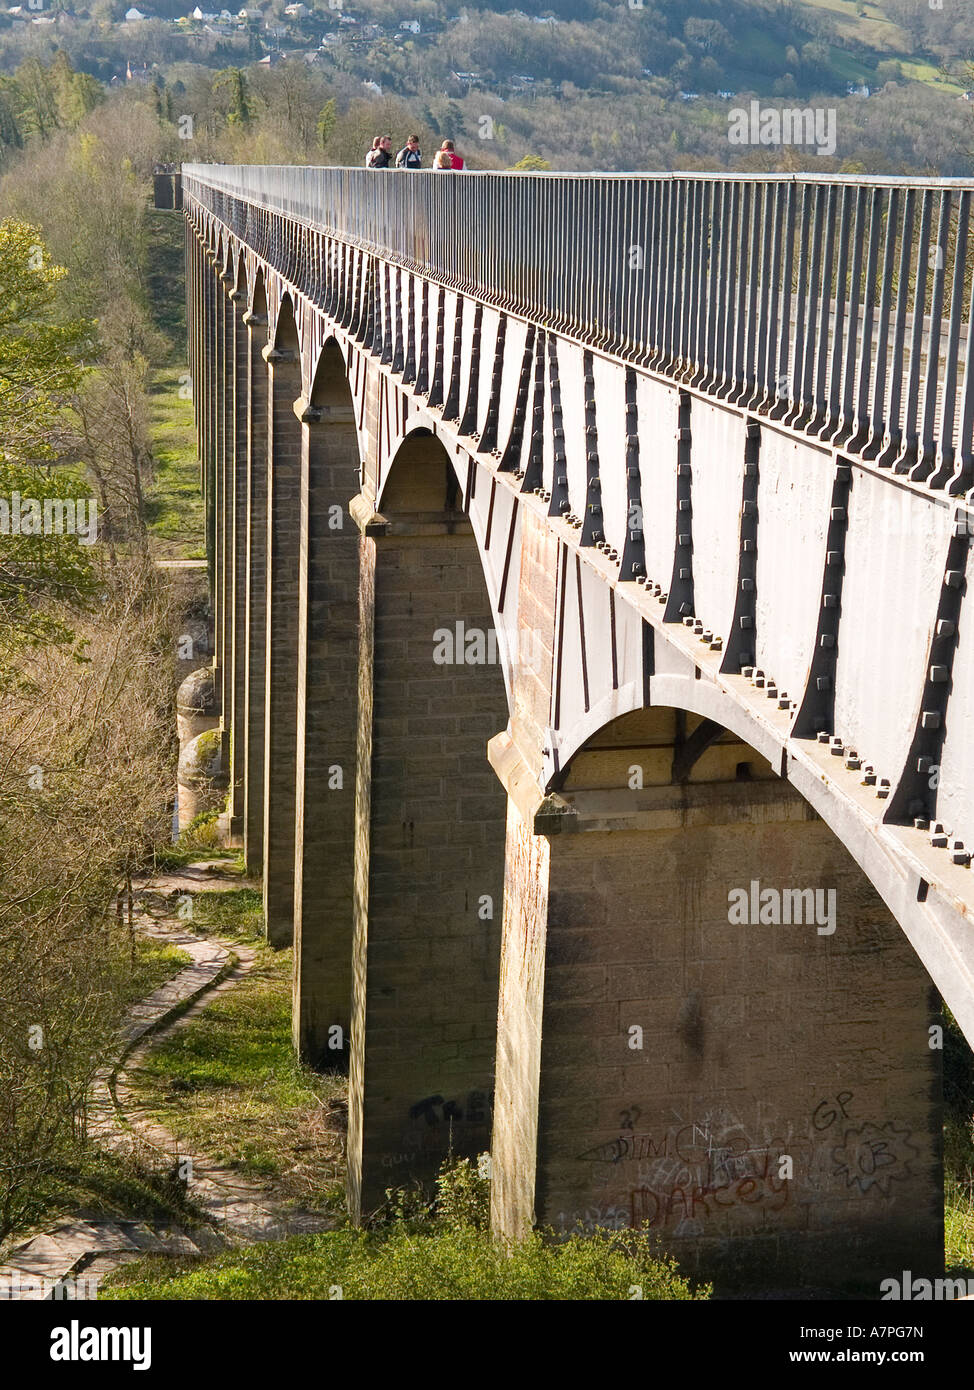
(11, 136)
(40, 368)
(38, 113)
(327, 118)
(239, 111)
(75, 93)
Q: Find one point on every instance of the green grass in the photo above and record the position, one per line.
(873, 38)
(155, 963)
(959, 1227)
(229, 1085)
(918, 71)
(958, 1149)
(873, 30)
(95, 1184)
(177, 856)
(403, 1265)
(166, 287)
(173, 505)
(91, 1183)
(236, 913)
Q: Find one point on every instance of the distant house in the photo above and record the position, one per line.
(276, 31)
(373, 87)
(411, 26)
(133, 14)
(467, 76)
(689, 96)
(297, 11)
(855, 91)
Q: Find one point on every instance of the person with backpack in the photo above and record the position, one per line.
(410, 156)
(380, 155)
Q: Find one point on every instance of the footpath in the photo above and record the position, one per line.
(70, 1258)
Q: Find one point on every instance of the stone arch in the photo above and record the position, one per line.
(258, 294)
(429, 834)
(916, 905)
(680, 1051)
(238, 269)
(284, 330)
(249, 739)
(327, 671)
(284, 444)
(225, 251)
(237, 504)
(424, 478)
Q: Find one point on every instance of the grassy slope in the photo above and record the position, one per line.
(92, 1183)
(958, 1149)
(228, 1083)
(873, 38)
(403, 1264)
(174, 507)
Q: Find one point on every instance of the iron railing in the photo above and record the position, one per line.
(840, 306)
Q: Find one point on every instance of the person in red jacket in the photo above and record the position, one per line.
(446, 157)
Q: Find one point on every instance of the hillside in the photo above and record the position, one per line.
(583, 84)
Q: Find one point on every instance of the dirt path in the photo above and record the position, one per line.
(235, 1211)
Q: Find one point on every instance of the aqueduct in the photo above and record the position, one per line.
(659, 906)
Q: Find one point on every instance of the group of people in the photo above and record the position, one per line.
(380, 156)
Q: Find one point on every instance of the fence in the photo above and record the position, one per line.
(838, 305)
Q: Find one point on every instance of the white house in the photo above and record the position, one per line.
(133, 14)
(297, 11)
(411, 25)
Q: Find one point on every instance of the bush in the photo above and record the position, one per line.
(440, 1251)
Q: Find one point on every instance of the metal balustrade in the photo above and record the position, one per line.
(838, 305)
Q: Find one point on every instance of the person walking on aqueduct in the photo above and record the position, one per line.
(446, 157)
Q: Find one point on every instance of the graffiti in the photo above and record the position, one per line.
(680, 1177)
(869, 1158)
(695, 1202)
(688, 1173)
(436, 1111)
(874, 1157)
(594, 1218)
(692, 1142)
(828, 1111)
